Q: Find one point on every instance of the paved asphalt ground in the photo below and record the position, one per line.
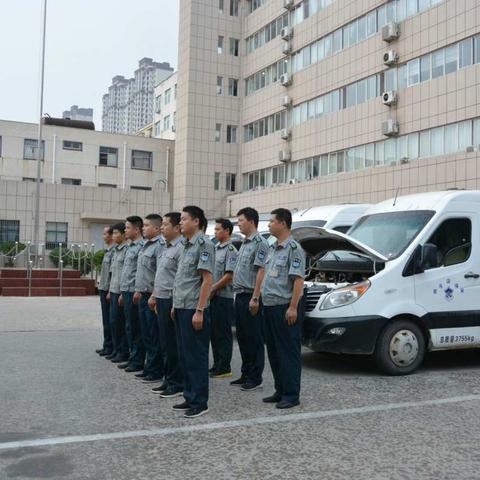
(66, 413)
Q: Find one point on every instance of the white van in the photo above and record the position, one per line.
(404, 280)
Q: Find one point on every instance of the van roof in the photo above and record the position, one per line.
(326, 212)
(425, 201)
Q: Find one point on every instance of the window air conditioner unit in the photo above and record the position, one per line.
(390, 57)
(288, 4)
(286, 79)
(286, 101)
(390, 32)
(390, 128)
(285, 134)
(287, 47)
(284, 156)
(286, 33)
(390, 98)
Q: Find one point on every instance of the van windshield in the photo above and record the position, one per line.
(390, 233)
(308, 223)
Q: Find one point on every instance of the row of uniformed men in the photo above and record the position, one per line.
(166, 291)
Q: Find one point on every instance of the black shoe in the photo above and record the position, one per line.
(105, 353)
(161, 388)
(141, 375)
(239, 381)
(182, 407)
(133, 369)
(119, 359)
(99, 350)
(195, 412)
(122, 365)
(250, 387)
(282, 404)
(171, 392)
(111, 356)
(210, 370)
(275, 398)
(220, 374)
(151, 379)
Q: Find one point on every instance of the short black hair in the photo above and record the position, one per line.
(225, 223)
(120, 227)
(155, 218)
(174, 218)
(283, 215)
(110, 229)
(250, 214)
(136, 221)
(197, 212)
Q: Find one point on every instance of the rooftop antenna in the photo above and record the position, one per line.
(396, 196)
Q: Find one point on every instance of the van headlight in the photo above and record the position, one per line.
(345, 296)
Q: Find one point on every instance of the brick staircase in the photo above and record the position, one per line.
(45, 283)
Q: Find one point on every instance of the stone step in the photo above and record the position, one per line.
(43, 292)
(86, 283)
(37, 273)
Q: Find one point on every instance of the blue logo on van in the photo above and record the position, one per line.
(448, 290)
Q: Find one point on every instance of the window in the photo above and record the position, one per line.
(372, 23)
(218, 132)
(234, 8)
(464, 135)
(216, 181)
(56, 232)
(31, 179)
(30, 149)
(138, 187)
(9, 230)
(142, 160)
(233, 87)
(233, 46)
(436, 141)
(453, 238)
(220, 7)
(219, 85)
(451, 138)
(451, 59)
(70, 145)
(108, 156)
(231, 134)
(71, 181)
(230, 180)
(476, 49)
(0, 147)
(438, 63)
(425, 68)
(220, 45)
(413, 72)
(465, 53)
(158, 104)
(166, 123)
(107, 185)
(168, 96)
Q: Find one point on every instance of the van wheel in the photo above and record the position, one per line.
(400, 348)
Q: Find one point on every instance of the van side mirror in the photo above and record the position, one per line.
(426, 257)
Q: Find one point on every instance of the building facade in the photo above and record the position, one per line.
(77, 113)
(128, 105)
(89, 179)
(165, 114)
(310, 102)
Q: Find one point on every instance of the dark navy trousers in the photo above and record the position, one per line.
(136, 358)
(193, 348)
(149, 328)
(249, 330)
(168, 342)
(284, 351)
(107, 334)
(221, 312)
(117, 326)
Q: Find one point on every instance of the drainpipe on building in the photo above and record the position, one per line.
(124, 182)
(54, 157)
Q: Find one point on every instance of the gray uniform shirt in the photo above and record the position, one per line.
(285, 261)
(117, 267)
(167, 265)
(147, 264)
(196, 254)
(127, 282)
(225, 261)
(251, 257)
(104, 281)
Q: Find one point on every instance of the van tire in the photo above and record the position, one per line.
(410, 341)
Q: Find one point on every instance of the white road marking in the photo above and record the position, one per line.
(248, 422)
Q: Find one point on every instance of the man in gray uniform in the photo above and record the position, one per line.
(191, 291)
(103, 286)
(161, 300)
(133, 233)
(117, 317)
(247, 278)
(282, 290)
(221, 307)
(153, 369)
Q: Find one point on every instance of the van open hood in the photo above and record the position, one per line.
(317, 239)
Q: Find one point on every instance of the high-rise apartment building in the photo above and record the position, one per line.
(128, 105)
(77, 113)
(309, 102)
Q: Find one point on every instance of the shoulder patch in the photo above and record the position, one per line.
(296, 263)
(204, 256)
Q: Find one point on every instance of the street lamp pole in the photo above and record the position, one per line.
(36, 227)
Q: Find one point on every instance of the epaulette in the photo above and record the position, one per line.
(201, 241)
(258, 239)
(231, 247)
(293, 245)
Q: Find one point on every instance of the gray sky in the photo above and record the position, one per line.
(88, 43)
